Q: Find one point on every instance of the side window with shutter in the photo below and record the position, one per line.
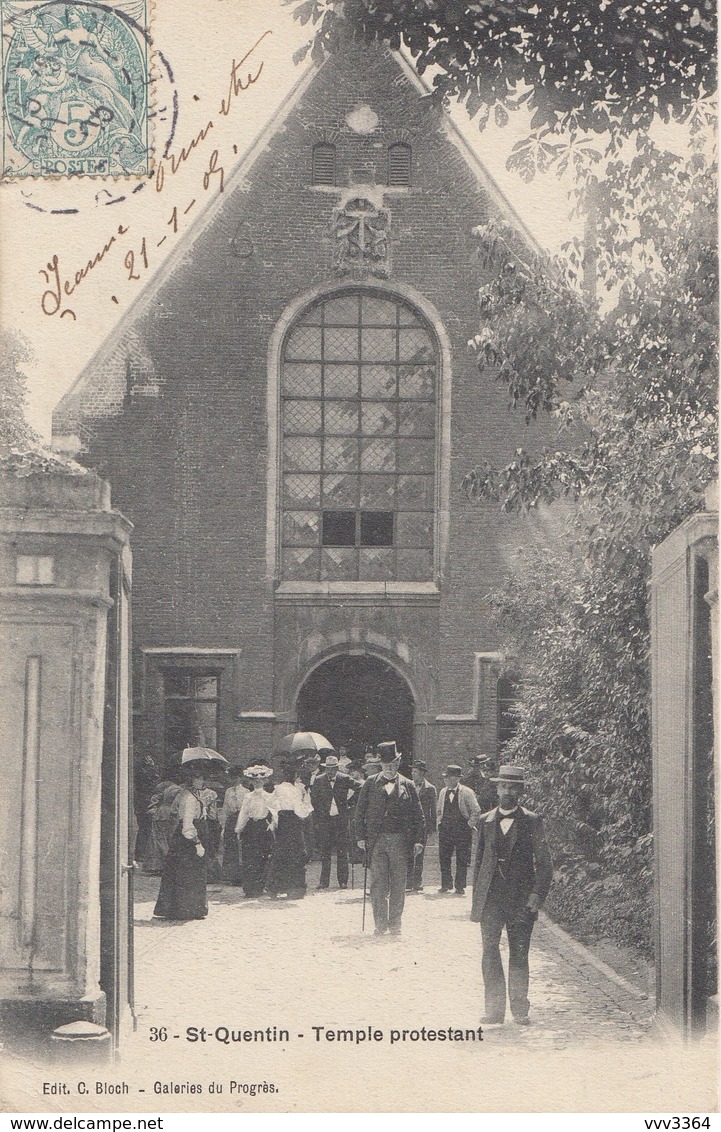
(323, 172)
(399, 165)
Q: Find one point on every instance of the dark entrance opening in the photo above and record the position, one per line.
(357, 702)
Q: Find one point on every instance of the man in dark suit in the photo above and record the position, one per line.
(388, 823)
(309, 771)
(458, 815)
(479, 778)
(332, 795)
(513, 874)
(428, 798)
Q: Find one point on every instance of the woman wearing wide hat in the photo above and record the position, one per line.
(182, 893)
(164, 816)
(255, 823)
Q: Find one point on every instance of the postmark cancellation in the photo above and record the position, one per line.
(75, 89)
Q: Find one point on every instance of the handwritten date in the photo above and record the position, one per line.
(60, 286)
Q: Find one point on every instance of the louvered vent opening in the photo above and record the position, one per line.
(324, 164)
(399, 165)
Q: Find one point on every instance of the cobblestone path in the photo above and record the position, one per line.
(306, 966)
(288, 1006)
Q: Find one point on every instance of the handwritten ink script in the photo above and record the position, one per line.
(53, 299)
(60, 286)
(237, 84)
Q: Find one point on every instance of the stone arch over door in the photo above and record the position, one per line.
(358, 699)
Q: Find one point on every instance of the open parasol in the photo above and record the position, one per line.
(202, 755)
(303, 742)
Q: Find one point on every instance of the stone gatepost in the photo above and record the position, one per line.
(59, 539)
(685, 672)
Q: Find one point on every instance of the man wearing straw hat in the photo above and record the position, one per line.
(479, 778)
(513, 874)
(458, 815)
(388, 822)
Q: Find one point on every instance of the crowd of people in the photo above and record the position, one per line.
(259, 829)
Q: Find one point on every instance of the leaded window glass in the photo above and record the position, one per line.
(191, 709)
(507, 696)
(358, 399)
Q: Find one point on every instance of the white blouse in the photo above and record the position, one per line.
(255, 805)
(190, 810)
(291, 796)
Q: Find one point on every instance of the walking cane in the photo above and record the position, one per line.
(365, 887)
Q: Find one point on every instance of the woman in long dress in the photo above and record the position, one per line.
(182, 893)
(254, 828)
(164, 821)
(228, 818)
(209, 796)
(290, 803)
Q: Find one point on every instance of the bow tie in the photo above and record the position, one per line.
(510, 814)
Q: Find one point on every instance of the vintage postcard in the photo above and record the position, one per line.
(359, 557)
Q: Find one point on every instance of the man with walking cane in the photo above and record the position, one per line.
(388, 822)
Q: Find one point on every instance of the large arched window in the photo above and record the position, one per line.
(358, 390)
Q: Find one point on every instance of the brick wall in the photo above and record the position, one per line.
(186, 450)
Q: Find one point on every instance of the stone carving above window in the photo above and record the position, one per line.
(362, 234)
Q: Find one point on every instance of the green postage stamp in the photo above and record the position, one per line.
(75, 93)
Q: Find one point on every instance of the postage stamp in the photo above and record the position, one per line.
(75, 89)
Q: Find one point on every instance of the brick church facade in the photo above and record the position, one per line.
(286, 415)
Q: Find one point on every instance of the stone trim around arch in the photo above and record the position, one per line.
(353, 648)
(393, 290)
(422, 722)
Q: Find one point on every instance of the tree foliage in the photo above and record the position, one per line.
(634, 394)
(605, 68)
(634, 390)
(14, 428)
(21, 451)
(630, 379)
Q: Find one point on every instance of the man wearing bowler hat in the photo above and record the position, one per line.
(458, 814)
(371, 764)
(388, 824)
(478, 777)
(513, 874)
(332, 796)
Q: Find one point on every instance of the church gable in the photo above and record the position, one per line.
(360, 178)
(286, 413)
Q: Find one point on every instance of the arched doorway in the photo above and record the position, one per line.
(357, 702)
